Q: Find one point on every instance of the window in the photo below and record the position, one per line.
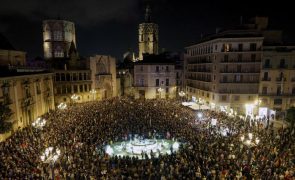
(253, 57)
(216, 47)
(141, 82)
(226, 47)
(236, 98)
(58, 53)
(85, 87)
(141, 68)
(75, 89)
(80, 77)
(282, 63)
(277, 101)
(167, 68)
(208, 95)
(74, 77)
(157, 82)
(240, 47)
(239, 68)
(267, 62)
(265, 76)
(167, 82)
(223, 98)
(57, 35)
(279, 90)
(167, 90)
(250, 98)
(293, 90)
(225, 79)
(252, 46)
(64, 89)
(240, 57)
(157, 68)
(226, 58)
(237, 78)
(62, 77)
(81, 88)
(214, 77)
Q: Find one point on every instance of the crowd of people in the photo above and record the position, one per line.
(82, 131)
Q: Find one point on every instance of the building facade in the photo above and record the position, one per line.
(28, 96)
(154, 79)
(68, 83)
(277, 80)
(103, 75)
(57, 38)
(223, 71)
(9, 56)
(148, 36)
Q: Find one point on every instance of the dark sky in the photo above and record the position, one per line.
(110, 26)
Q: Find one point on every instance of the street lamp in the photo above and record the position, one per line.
(160, 90)
(181, 94)
(93, 92)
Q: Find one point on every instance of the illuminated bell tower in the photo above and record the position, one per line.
(148, 39)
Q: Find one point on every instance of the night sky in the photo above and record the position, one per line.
(110, 26)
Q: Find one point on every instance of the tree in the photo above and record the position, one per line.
(291, 116)
(5, 114)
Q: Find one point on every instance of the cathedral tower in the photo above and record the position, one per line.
(148, 39)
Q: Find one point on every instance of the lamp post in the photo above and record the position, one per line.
(181, 94)
(93, 92)
(160, 90)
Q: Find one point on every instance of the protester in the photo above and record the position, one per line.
(81, 133)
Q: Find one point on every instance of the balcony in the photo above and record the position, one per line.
(239, 82)
(239, 61)
(265, 79)
(267, 66)
(276, 94)
(282, 66)
(241, 72)
(280, 79)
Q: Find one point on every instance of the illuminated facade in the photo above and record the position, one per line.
(57, 38)
(277, 79)
(70, 82)
(148, 36)
(223, 70)
(103, 75)
(28, 96)
(154, 78)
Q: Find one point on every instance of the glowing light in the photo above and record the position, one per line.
(200, 115)
(257, 141)
(62, 106)
(39, 123)
(140, 147)
(181, 93)
(109, 150)
(250, 136)
(248, 142)
(74, 97)
(242, 138)
(50, 155)
(175, 146)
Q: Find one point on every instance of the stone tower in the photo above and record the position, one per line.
(57, 38)
(148, 39)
